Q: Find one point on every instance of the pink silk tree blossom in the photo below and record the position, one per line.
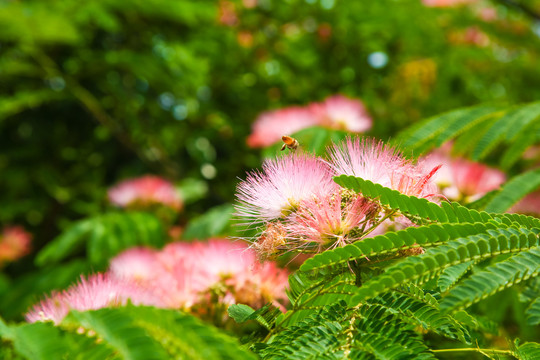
(281, 185)
(15, 242)
(342, 113)
(461, 179)
(446, 3)
(145, 191)
(270, 126)
(372, 160)
(335, 112)
(95, 292)
(329, 222)
(196, 277)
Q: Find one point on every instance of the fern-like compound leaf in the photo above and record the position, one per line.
(424, 267)
(392, 242)
(412, 206)
(515, 189)
(494, 278)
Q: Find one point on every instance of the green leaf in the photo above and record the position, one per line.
(386, 336)
(104, 236)
(192, 189)
(212, 223)
(527, 351)
(66, 244)
(425, 236)
(150, 333)
(513, 190)
(45, 341)
(422, 309)
(533, 312)
(240, 312)
(505, 127)
(493, 278)
(265, 316)
(522, 142)
(424, 267)
(410, 205)
(24, 100)
(451, 275)
(439, 129)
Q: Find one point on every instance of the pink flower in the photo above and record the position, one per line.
(371, 160)
(445, 3)
(227, 13)
(53, 308)
(340, 112)
(335, 112)
(530, 204)
(145, 191)
(462, 179)
(236, 266)
(282, 185)
(270, 126)
(96, 292)
(137, 264)
(102, 290)
(163, 274)
(329, 221)
(222, 259)
(198, 277)
(264, 283)
(271, 241)
(14, 243)
(488, 14)
(185, 275)
(475, 179)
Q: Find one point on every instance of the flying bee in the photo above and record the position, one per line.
(289, 142)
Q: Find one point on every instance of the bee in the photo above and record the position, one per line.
(289, 142)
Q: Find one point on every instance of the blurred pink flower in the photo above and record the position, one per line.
(138, 264)
(264, 283)
(163, 274)
(53, 308)
(186, 275)
(474, 36)
(446, 3)
(488, 14)
(530, 204)
(96, 292)
(282, 185)
(145, 191)
(236, 266)
(14, 243)
(270, 126)
(340, 112)
(335, 112)
(227, 13)
(475, 179)
(102, 290)
(372, 160)
(462, 179)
